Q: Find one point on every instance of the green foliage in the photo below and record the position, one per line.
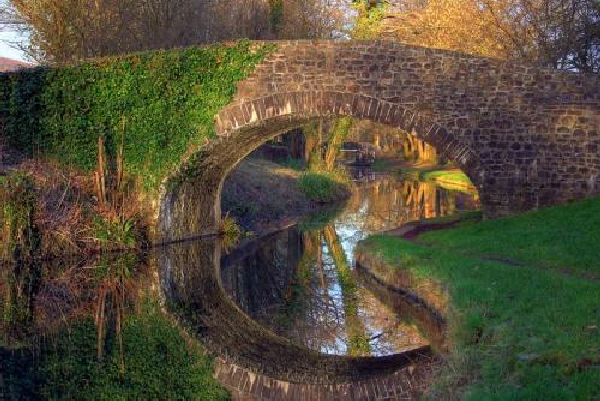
(336, 139)
(230, 231)
(119, 266)
(168, 98)
(18, 198)
(368, 21)
(115, 234)
(21, 280)
(341, 128)
(323, 187)
(158, 364)
(522, 330)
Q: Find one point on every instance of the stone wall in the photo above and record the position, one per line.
(526, 136)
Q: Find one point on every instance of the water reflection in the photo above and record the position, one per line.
(93, 328)
(195, 294)
(300, 282)
(382, 202)
(97, 325)
(40, 298)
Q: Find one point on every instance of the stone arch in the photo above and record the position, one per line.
(248, 113)
(526, 136)
(243, 126)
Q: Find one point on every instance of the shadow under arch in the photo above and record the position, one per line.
(190, 201)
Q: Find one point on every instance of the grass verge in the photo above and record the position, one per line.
(456, 176)
(525, 327)
(264, 196)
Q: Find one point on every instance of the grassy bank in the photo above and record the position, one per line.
(50, 212)
(525, 303)
(263, 195)
(456, 176)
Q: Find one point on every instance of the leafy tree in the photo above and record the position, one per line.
(65, 30)
(558, 33)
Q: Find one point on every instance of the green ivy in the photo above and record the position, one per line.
(167, 98)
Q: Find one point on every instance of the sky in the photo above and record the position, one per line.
(6, 50)
(7, 35)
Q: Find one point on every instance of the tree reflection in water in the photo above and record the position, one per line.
(300, 282)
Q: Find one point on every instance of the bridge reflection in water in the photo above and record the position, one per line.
(301, 284)
(289, 308)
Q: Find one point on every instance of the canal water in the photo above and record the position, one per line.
(301, 282)
(93, 319)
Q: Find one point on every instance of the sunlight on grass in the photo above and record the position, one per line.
(456, 176)
(562, 237)
(518, 332)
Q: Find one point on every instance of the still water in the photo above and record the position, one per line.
(110, 324)
(301, 282)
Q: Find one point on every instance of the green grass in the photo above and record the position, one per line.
(323, 187)
(562, 237)
(517, 332)
(447, 175)
(450, 179)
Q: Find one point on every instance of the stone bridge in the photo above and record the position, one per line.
(526, 136)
